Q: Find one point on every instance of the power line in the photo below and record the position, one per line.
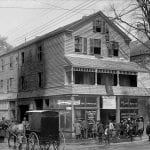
(61, 17)
(44, 12)
(54, 21)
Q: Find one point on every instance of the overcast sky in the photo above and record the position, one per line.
(26, 19)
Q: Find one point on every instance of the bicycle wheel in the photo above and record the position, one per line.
(33, 142)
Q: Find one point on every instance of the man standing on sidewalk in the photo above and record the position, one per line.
(148, 130)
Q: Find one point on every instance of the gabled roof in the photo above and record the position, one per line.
(93, 62)
(141, 49)
(73, 26)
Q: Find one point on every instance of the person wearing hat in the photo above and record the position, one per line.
(3, 127)
(77, 129)
(148, 130)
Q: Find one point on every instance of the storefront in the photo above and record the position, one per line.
(73, 108)
(81, 107)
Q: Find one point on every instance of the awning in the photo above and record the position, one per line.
(100, 63)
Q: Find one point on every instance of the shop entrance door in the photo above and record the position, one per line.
(23, 109)
(107, 114)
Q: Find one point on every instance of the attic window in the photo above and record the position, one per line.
(95, 46)
(99, 26)
(113, 49)
(78, 44)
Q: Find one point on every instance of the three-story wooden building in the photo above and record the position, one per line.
(82, 70)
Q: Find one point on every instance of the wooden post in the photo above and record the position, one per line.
(98, 108)
(72, 76)
(95, 76)
(118, 84)
(73, 116)
(117, 109)
(44, 104)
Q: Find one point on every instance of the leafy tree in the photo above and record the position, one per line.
(4, 45)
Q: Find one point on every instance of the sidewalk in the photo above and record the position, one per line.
(92, 144)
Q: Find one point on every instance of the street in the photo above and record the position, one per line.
(141, 145)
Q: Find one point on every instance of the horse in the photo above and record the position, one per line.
(16, 134)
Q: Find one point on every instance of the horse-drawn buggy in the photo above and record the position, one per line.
(41, 134)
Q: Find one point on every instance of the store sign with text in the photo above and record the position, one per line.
(109, 102)
(68, 102)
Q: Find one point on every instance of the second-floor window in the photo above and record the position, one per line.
(1, 84)
(22, 82)
(40, 79)
(2, 65)
(11, 62)
(40, 53)
(22, 57)
(95, 46)
(113, 49)
(11, 82)
(81, 44)
(8, 85)
(78, 44)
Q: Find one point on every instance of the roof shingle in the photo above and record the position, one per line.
(93, 62)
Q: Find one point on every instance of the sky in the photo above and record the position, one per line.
(23, 20)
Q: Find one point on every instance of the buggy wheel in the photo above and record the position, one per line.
(53, 146)
(62, 141)
(33, 142)
(56, 145)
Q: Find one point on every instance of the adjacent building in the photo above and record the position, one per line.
(82, 70)
(140, 54)
(8, 84)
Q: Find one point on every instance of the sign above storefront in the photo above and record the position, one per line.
(68, 102)
(109, 102)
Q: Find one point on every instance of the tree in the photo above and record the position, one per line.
(139, 11)
(4, 45)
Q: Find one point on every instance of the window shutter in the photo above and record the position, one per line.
(103, 25)
(85, 46)
(91, 46)
(94, 26)
(106, 28)
(110, 49)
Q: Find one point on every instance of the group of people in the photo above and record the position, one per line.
(84, 130)
(127, 128)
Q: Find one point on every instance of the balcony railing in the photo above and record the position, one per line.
(115, 90)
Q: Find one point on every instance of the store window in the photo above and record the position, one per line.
(86, 105)
(63, 105)
(129, 107)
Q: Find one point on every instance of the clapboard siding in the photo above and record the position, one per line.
(30, 68)
(8, 73)
(54, 58)
(86, 31)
